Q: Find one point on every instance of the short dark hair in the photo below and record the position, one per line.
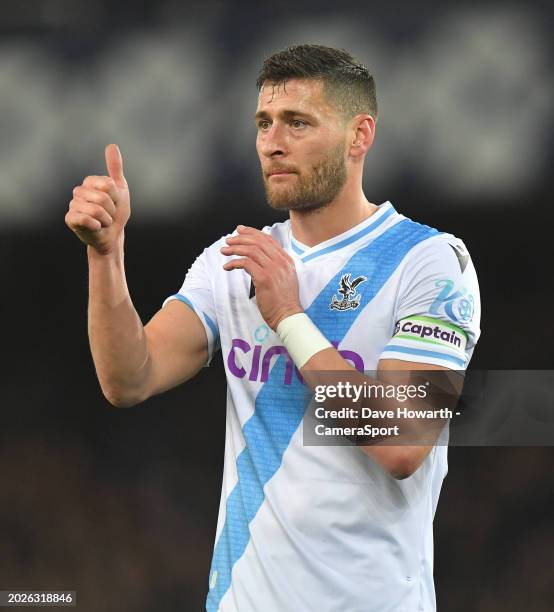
(348, 83)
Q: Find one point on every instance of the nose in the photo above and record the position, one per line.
(273, 142)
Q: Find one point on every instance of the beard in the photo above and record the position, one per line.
(313, 190)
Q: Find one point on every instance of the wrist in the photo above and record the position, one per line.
(301, 337)
(110, 254)
(285, 315)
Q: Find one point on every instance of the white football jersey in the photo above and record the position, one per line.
(324, 528)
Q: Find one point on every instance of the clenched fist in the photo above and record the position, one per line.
(101, 207)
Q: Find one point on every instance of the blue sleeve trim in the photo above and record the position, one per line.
(424, 353)
(182, 298)
(209, 321)
(212, 325)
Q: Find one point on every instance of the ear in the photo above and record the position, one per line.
(363, 133)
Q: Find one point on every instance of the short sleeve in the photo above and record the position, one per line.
(197, 293)
(438, 307)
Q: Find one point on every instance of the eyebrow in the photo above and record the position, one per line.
(285, 114)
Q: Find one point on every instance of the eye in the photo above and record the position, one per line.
(298, 124)
(263, 125)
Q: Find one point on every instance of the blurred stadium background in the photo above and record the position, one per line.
(121, 505)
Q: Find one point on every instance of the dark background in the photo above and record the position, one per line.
(121, 504)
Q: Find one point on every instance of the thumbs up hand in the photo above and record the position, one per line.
(101, 206)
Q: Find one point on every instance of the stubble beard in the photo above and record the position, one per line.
(314, 190)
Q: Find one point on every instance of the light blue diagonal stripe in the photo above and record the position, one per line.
(279, 408)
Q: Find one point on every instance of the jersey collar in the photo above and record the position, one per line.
(363, 229)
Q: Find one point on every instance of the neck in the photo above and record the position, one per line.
(311, 227)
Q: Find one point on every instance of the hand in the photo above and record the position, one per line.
(101, 207)
(272, 272)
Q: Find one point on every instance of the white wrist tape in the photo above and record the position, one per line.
(301, 338)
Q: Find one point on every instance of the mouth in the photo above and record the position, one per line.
(279, 173)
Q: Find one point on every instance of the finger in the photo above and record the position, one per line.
(103, 183)
(245, 230)
(93, 210)
(254, 252)
(114, 163)
(271, 248)
(249, 238)
(80, 221)
(248, 265)
(96, 197)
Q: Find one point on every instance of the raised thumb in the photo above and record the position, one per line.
(114, 163)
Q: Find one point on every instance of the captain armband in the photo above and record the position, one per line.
(431, 331)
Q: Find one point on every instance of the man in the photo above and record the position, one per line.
(343, 285)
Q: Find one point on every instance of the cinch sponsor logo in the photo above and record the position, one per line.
(422, 330)
(244, 360)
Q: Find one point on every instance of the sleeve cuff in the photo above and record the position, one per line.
(210, 326)
(432, 356)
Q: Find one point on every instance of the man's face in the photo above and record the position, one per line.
(301, 145)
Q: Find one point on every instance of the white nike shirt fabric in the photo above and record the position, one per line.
(323, 528)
